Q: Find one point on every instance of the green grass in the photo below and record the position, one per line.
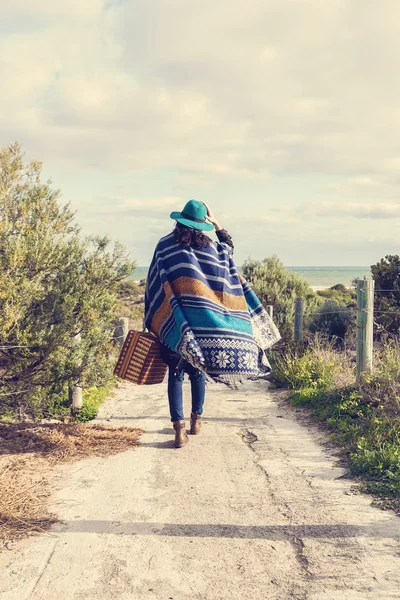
(93, 398)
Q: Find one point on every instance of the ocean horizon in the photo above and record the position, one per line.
(316, 276)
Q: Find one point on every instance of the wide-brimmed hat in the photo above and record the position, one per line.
(193, 215)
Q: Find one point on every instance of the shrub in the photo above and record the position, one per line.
(275, 285)
(317, 366)
(129, 290)
(386, 274)
(339, 292)
(55, 288)
(332, 319)
(387, 363)
(339, 287)
(381, 388)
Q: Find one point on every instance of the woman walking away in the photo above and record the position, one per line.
(203, 311)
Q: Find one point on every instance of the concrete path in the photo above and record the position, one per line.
(253, 508)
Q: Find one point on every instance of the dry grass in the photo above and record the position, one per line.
(24, 494)
(27, 452)
(59, 442)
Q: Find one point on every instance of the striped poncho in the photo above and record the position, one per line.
(199, 306)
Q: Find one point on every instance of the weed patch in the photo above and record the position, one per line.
(92, 399)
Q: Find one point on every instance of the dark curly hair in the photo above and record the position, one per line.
(193, 238)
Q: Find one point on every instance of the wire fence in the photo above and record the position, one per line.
(14, 347)
(3, 393)
(372, 317)
(322, 312)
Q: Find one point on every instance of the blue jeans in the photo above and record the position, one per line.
(175, 396)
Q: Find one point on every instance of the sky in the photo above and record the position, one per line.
(282, 115)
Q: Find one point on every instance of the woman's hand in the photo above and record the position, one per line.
(212, 218)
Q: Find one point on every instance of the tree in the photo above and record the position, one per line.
(386, 274)
(276, 285)
(57, 293)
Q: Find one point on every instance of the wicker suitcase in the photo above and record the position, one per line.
(140, 359)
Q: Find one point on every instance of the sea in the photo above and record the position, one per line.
(317, 277)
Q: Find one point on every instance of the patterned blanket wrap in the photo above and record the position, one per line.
(200, 306)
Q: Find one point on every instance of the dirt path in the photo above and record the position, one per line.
(252, 508)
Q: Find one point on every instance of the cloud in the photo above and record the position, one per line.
(160, 85)
(285, 112)
(119, 208)
(359, 211)
(46, 10)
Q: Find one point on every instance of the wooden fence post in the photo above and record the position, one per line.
(75, 389)
(298, 319)
(77, 401)
(270, 310)
(121, 331)
(365, 326)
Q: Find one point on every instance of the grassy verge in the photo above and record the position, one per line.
(364, 420)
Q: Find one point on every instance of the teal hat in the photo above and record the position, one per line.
(193, 215)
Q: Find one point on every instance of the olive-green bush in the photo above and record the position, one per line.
(58, 294)
(333, 319)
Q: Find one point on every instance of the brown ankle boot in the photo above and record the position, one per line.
(181, 438)
(195, 424)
